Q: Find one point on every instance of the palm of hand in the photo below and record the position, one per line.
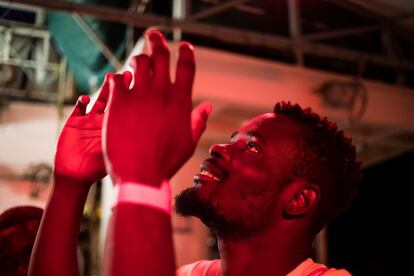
(79, 153)
(79, 149)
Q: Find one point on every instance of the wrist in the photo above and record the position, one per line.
(72, 184)
(133, 193)
(137, 177)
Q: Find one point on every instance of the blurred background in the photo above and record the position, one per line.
(350, 60)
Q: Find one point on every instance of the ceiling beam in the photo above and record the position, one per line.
(250, 9)
(369, 14)
(216, 9)
(403, 16)
(341, 32)
(225, 34)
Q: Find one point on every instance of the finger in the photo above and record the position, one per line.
(80, 106)
(118, 89)
(102, 100)
(142, 70)
(160, 58)
(127, 79)
(185, 70)
(199, 117)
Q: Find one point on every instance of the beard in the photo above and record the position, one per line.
(188, 203)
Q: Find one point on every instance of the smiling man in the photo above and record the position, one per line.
(269, 191)
(238, 185)
(266, 193)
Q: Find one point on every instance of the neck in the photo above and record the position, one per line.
(274, 252)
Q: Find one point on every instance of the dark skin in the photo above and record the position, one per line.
(149, 132)
(78, 164)
(243, 176)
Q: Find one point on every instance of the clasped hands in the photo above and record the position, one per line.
(142, 134)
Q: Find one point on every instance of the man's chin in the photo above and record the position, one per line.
(189, 203)
(186, 202)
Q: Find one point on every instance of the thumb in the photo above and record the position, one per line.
(80, 106)
(199, 117)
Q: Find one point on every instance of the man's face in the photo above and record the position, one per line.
(236, 191)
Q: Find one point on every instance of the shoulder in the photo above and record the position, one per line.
(310, 268)
(201, 268)
(337, 272)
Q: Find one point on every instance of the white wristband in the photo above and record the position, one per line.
(141, 194)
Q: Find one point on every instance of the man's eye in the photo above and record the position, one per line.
(253, 147)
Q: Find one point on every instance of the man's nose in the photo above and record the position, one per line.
(220, 151)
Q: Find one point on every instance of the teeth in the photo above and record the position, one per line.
(210, 175)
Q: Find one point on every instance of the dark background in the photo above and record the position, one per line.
(375, 236)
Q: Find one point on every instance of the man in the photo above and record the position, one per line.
(266, 194)
(270, 190)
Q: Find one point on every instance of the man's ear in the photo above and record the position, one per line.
(302, 201)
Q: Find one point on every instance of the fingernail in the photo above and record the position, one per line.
(108, 76)
(154, 35)
(84, 99)
(209, 108)
(186, 45)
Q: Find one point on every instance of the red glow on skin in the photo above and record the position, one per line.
(155, 104)
(79, 149)
(150, 131)
(78, 164)
(246, 162)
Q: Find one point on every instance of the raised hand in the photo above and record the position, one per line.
(151, 130)
(79, 151)
(78, 164)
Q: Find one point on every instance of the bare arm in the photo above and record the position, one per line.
(149, 133)
(55, 249)
(78, 164)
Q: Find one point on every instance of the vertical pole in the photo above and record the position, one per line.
(60, 97)
(6, 49)
(181, 9)
(321, 246)
(295, 29)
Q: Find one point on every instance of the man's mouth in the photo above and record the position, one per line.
(209, 172)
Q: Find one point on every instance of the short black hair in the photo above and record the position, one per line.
(324, 157)
(15, 256)
(18, 215)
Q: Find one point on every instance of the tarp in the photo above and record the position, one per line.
(84, 56)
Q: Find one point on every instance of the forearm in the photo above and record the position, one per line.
(149, 133)
(139, 242)
(55, 249)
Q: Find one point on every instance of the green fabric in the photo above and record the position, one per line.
(83, 55)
